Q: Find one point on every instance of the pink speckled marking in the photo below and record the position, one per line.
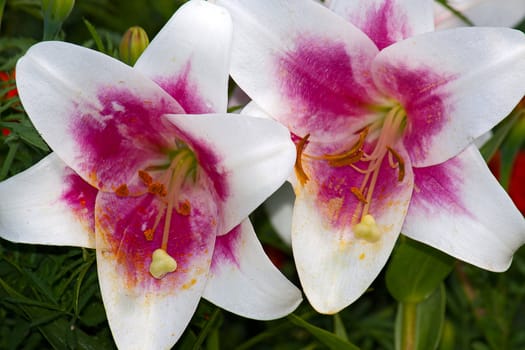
(420, 93)
(186, 92)
(439, 186)
(226, 249)
(123, 135)
(337, 203)
(385, 25)
(325, 89)
(80, 197)
(121, 223)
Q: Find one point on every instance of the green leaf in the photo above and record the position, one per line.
(327, 338)
(416, 270)
(419, 325)
(95, 35)
(499, 135)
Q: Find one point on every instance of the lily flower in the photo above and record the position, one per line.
(383, 112)
(505, 13)
(150, 170)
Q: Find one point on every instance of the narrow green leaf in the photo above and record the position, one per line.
(95, 35)
(327, 338)
(416, 270)
(207, 329)
(419, 325)
(339, 327)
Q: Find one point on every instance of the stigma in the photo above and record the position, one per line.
(161, 264)
(372, 147)
(367, 229)
(166, 182)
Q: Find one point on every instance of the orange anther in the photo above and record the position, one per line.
(148, 234)
(122, 191)
(299, 171)
(145, 177)
(184, 208)
(158, 188)
(400, 164)
(358, 194)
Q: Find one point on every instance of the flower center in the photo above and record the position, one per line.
(166, 182)
(389, 128)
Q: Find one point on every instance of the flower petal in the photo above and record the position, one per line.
(241, 178)
(491, 13)
(98, 114)
(145, 312)
(244, 281)
(387, 21)
(48, 204)
(303, 65)
(454, 85)
(190, 57)
(460, 208)
(334, 265)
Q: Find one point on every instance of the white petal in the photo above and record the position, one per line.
(280, 210)
(499, 13)
(256, 156)
(190, 57)
(244, 281)
(145, 312)
(460, 208)
(42, 205)
(455, 85)
(98, 114)
(334, 265)
(387, 21)
(302, 64)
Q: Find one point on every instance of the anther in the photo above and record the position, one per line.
(148, 234)
(145, 177)
(299, 171)
(184, 208)
(400, 163)
(161, 264)
(158, 188)
(357, 192)
(122, 191)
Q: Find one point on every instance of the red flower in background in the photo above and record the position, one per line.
(516, 188)
(517, 182)
(8, 80)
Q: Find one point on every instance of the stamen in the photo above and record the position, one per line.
(184, 208)
(348, 160)
(182, 165)
(122, 191)
(299, 171)
(145, 177)
(157, 188)
(148, 234)
(358, 194)
(400, 163)
(367, 229)
(161, 264)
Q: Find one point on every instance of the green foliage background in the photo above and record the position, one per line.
(50, 299)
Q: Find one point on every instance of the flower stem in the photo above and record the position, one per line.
(408, 331)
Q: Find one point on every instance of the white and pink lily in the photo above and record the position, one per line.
(383, 111)
(150, 170)
(500, 13)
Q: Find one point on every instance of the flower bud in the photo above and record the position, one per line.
(133, 43)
